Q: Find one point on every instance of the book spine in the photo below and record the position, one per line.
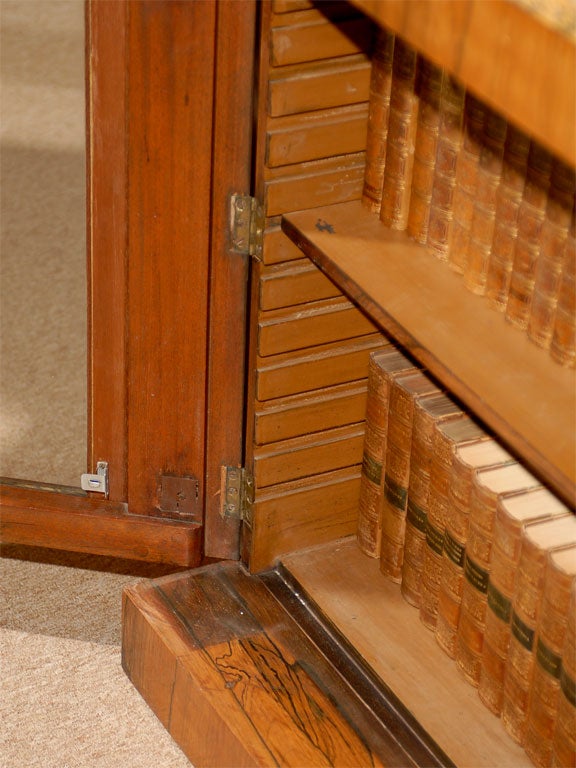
(564, 739)
(551, 634)
(527, 249)
(478, 558)
(552, 253)
(428, 86)
(396, 480)
(484, 215)
(466, 176)
(563, 342)
(373, 457)
(402, 126)
(440, 474)
(508, 199)
(521, 650)
(378, 114)
(417, 507)
(452, 98)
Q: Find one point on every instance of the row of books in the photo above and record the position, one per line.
(476, 191)
(478, 546)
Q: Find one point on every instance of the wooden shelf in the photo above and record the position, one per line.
(371, 613)
(520, 58)
(513, 386)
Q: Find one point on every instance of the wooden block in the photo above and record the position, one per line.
(303, 513)
(301, 371)
(285, 6)
(313, 184)
(317, 38)
(307, 325)
(283, 285)
(319, 85)
(315, 135)
(309, 412)
(308, 455)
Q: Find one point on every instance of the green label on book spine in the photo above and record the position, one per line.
(434, 538)
(522, 632)
(499, 604)
(454, 550)
(475, 575)
(549, 661)
(396, 494)
(372, 469)
(568, 686)
(416, 516)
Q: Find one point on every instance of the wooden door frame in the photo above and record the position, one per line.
(159, 183)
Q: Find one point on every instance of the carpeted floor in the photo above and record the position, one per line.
(65, 701)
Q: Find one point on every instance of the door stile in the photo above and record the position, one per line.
(231, 174)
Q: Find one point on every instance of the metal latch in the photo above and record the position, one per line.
(97, 483)
(237, 493)
(246, 225)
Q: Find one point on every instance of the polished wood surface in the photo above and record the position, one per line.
(508, 382)
(508, 53)
(234, 678)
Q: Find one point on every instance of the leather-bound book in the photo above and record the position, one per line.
(447, 436)
(550, 638)
(513, 512)
(383, 366)
(404, 392)
(563, 343)
(378, 113)
(466, 460)
(508, 199)
(564, 740)
(549, 268)
(428, 88)
(428, 411)
(402, 124)
(537, 541)
(450, 135)
(531, 217)
(488, 485)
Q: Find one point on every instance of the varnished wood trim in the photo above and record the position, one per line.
(77, 523)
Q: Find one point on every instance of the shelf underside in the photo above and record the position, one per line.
(508, 382)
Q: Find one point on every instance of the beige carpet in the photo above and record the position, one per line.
(43, 391)
(65, 701)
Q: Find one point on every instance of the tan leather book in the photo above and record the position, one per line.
(402, 124)
(465, 187)
(528, 241)
(563, 342)
(447, 436)
(564, 740)
(466, 459)
(513, 512)
(428, 411)
(378, 114)
(428, 88)
(537, 541)
(404, 392)
(488, 485)
(488, 179)
(549, 268)
(450, 136)
(550, 638)
(508, 199)
(383, 366)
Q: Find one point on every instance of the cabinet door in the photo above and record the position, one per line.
(168, 137)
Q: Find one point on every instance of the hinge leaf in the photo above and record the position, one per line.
(246, 225)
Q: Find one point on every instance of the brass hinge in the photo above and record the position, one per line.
(237, 494)
(246, 225)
